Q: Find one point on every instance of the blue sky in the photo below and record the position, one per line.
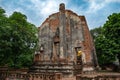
(95, 11)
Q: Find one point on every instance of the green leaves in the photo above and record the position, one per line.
(104, 50)
(18, 40)
(107, 41)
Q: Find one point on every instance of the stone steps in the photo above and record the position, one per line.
(52, 67)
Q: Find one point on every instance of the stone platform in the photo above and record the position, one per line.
(50, 67)
(99, 76)
(22, 75)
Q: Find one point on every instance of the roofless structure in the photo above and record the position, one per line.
(65, 45)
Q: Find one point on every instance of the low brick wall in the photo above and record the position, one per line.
(22, 74)
(29, 76)
(99, 76)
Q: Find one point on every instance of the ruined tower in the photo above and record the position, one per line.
(65, 45)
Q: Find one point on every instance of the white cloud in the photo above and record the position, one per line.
(47, 7)
(44, 8)
(95, 5)
(97, 11)
(38, 10)
(112, 0)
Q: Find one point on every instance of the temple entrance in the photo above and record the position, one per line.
(79, 63)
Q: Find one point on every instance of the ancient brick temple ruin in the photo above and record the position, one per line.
(66, 51)
(65, 45)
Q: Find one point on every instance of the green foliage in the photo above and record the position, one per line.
(107, 41)
(111, 30)
(104, 48)
(18, 40)
(96, 32)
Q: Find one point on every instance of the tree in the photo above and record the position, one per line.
(96, 32)
(111, 30)
(104, 50)
(4, 37)
(107, 41)
(18, 40)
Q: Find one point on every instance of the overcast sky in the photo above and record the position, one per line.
(95, 11)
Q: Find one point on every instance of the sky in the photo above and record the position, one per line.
(95, 11)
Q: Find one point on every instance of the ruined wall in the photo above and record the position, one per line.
(61, 33)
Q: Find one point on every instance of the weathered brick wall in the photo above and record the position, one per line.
(21, 76)
(71, 30)
(99, 76)
(58, 76)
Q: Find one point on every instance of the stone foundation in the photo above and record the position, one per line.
(99, 76)
(17, 75)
